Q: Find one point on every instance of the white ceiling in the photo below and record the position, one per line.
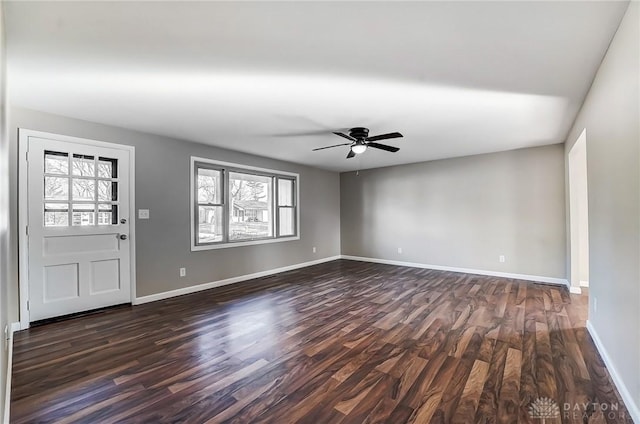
(275, 78)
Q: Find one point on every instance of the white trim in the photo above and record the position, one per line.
(584, 284)
(576, 162)
(23, 146)
(575, 290)
(16, 326)
(549, 280)
(23, 254)
(227, 281)
(7, 389)
(237, 243)
(192, 200)
(133, 217)
(629, 401)
(241, 166)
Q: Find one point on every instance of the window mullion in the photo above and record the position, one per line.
(226, 219)
(294, 204)
(276, 209)
(196, 210)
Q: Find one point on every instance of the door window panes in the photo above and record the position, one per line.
(83, 165)
(56, 163)
(56, 188)
(107, 191)
(107, 168)
(83, 214)
(107, 214)
(56, 214)
(87, 198)
(84, 189)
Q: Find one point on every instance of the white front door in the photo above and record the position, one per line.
(78, 227)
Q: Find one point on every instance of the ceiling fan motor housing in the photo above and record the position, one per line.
(359, 141)
(359, 133)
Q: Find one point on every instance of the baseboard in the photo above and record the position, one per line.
(7, 389)
(15, 326)
(629, 401)
(550, 280)
(575, 290)
(584, 284)
(227, 281)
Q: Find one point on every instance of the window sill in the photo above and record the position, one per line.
(195, 248)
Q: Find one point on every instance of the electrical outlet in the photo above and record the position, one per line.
(501, 258)
(183, 272)
(314, 249)
(143, 213)
(400, 250)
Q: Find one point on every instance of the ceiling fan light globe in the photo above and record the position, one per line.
(358, 148)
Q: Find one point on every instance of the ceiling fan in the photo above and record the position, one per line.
(359, 141)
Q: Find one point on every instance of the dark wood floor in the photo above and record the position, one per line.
(341, 342)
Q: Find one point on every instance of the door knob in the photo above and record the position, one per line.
(122, 236)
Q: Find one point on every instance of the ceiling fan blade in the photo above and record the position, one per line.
(348, 137)
(328, 147)
(384, 136)
(298, 134)
(383, 147)
(351, 154)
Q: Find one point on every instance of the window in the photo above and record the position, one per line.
(286, 207)
(236, 205)
(209, 205)
(79, 190)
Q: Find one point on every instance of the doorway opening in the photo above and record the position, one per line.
(579, 215)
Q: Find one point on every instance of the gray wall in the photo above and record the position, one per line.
(462, 212)
(162, 185)
(611, 115)
(4, 211)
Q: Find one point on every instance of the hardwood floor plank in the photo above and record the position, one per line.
(545, 371)
(489, 399)
(470, 397)
(510, 390)
(340, 342)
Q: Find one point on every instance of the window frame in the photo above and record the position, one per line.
(225, 168)
(196, 203)
(294, 204)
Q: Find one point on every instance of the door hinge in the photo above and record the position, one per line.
(27, 305)
(26, 229)
(26, 156)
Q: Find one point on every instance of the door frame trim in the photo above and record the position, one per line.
(23, 219)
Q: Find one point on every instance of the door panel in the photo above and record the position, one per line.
(105, 276)
(60, 283)
(78, 227)
(60, 245)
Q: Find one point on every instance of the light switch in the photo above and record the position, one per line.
(143, 213)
